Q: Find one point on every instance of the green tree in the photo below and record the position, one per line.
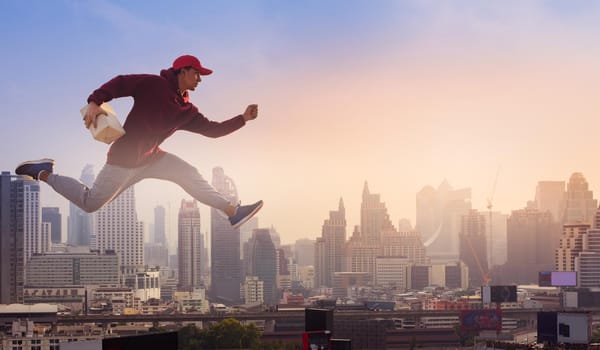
(227, 334)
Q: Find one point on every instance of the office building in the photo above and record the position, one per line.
(331, 246)
(305, 252)
(12, 258)
(473, 248)
(225, 260)
(191, 246)
(532, 238)
(117, 229)
(580, 206)
(262, 261)
(407, 244)
(391, 271)
(53, 217)
(159, 225)
(80, 223)
(253, 290)
(571, 244)
(439, 215)
(550, 196)
(73, 269)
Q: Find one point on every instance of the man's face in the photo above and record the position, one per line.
(190, 78)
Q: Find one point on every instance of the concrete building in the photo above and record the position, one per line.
(439, 213)
(330, 252)
(580, 206)
(473, 248)
(191, 246)
(391, 271)
(12, 258)
(52, 215)
(551, 196)
(254, 291)
(571, 244)
(304, 252)
(72, 269)
(262, 263)
(225, 260)
(160, 236)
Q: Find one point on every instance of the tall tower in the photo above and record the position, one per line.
(34, 241)
(331, 250)
(52, 216)
(12, 222)
(532, 237)
(571, 244)
(262, 263)
(224, 245)
(191, 245)
(473, 248)
(118, 229)
(550, 196)
(79, 228)
(159, 225)
(374, 218)
(580, 203)
(439, 215)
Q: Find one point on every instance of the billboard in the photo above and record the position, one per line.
(499, 294)
(564, 327)
(478, 320)
(557, 279)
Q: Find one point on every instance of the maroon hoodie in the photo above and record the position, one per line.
(158, 111)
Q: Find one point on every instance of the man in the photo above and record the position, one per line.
(161, 107)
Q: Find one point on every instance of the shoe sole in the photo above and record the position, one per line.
(249, 216)
(33, 162)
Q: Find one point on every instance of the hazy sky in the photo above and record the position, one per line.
(402, 94)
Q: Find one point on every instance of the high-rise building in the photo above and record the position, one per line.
(225, 260)
(36, 241)
(80, 223)
(439, 215)
(550, 196)
(262, 262)
(331, 253)
(12, 222)
(532, 238)
(191, 245)
(117, 228)
(374, 218)
(473, 247)
(246, 231)
(52, 216)
(406, 244)
(253, 290)
(159, 225)
(580, 204)
(391, 271)
(305, 252)
(571, 244)
(497, 238)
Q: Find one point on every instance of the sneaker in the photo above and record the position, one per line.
(243, 213)
(33, 168)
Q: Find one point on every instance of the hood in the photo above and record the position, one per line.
(171, 77)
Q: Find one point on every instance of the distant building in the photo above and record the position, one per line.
(330, 250)
(191, 245)
(262, 263)
(160, 236)
(571, 244)
(438, 218)
(550, 196)
(580, 203)
(52, 216)
(305, 252)
(473, 248)
(253, 290)
(225, 255)
(392, 271)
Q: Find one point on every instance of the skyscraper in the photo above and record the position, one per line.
(262, 263)
(118, 229)
(305, 252)
(331, 250)
(473, 248)
(439, 215)
(35, 241)
(12, 258)
(52, 215)
(191, 245)
(571, 244)
(374, 219)
(79, 228)
(587, 263)
(532, 238)
(225, 260)
(580, 203)
(159, 225)
(550, 196)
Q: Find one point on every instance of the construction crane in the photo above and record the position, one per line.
(490, 204)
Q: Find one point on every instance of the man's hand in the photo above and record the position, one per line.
(251, 112)
(91, 115)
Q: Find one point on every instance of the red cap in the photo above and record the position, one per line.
(190, 61)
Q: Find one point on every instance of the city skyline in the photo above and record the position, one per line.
(402, 95)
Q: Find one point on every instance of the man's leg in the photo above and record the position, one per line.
(110, 182)
(172, 168)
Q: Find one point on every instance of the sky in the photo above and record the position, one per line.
(400, 94)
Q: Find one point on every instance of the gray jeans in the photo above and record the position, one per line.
(112, 180)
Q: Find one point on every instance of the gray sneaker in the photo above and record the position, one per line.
(33, 168)
(243, 213)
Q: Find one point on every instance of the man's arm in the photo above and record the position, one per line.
(209, 128)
